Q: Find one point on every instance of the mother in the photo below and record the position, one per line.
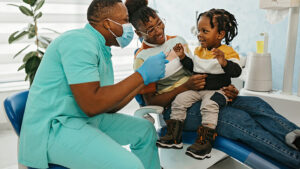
(247, 119)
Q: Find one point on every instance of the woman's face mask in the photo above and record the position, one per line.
(127, 35)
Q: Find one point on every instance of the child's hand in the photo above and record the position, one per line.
(179, 50)
(219, 55)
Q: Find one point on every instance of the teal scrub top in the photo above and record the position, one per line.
(77, 56)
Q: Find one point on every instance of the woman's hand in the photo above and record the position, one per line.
(196, 82)
(231, 92)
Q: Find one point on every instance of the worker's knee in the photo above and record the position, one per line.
(146, 131)
(148, 127)
(130, 162)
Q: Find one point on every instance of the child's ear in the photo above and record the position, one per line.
(221, 35)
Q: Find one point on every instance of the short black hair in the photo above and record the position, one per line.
(138, 11)
(100, 9)
(225, 22)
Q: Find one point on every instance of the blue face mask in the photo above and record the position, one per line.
(127, 35)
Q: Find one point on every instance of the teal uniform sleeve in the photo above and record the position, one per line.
(79, 59)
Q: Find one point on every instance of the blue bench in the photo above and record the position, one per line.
(234, 149)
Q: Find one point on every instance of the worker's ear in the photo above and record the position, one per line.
(221, 35)
(107, 24)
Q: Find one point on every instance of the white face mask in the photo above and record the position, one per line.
(127, 35)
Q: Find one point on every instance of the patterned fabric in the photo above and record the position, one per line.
(175, 74)
(204, 61)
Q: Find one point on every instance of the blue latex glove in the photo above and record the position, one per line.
(153, 68)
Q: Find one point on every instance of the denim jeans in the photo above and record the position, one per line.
(252, 121)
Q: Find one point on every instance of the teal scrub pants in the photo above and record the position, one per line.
(98, 144)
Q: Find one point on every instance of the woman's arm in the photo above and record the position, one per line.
(196, 82)
(163, 99)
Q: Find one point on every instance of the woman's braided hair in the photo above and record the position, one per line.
(139, 12)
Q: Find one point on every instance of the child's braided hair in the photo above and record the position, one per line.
(225, 22)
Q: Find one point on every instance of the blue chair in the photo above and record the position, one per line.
(14, 107)
(234, 149)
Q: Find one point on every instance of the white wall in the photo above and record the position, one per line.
(180, 16)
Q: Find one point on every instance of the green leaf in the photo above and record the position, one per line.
(39, 5)
(38, 16)
(16, 35)
(29, 55)
(26, 11)
(31, 30)
(30, 2)
(13, 5)
(21, 67)
(31, 67)
(51, 30)
(41, 52)
(31, 77)
(44, 41)
(12, 37)
(43, 45)
(26, 78)
(32, 64)
(21, 51)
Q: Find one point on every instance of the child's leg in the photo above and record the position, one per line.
(182, 102)
(211, 103)
(173, 138)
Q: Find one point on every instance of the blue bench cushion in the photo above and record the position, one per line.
(14, 107)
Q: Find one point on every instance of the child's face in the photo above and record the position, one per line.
(208, 37)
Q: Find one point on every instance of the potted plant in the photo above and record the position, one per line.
(31, 59)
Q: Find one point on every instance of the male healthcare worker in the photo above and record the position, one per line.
(70, 117)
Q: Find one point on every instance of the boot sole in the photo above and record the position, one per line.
(198, 157)
(175, 146)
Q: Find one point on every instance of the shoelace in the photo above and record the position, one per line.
(203, 133)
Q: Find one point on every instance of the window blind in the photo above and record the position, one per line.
(59, 15)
